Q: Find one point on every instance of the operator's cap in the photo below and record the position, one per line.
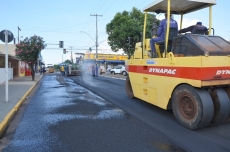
(199, 23)
(167, 13)
(170, 13)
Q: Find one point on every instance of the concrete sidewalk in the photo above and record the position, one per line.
(18, 89)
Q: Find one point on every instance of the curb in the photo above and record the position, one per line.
(4, 124)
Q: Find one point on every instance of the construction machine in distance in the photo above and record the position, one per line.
(75, 69)
(191, 73)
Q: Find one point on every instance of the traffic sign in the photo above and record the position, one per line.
(61, 44)
(64, 51)
(9, 38)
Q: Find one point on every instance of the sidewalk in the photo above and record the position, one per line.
(18, 89)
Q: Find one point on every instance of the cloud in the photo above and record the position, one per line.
(186, 22)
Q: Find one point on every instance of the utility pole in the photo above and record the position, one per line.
(96, 34)
(18, 33)
(71, 55)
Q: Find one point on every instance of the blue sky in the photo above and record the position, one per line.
(57, 20)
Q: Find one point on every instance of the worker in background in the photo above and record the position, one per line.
(161, 31)
(39, 70)
(108, 69)
(70, 68)
(96, 70)
(101, 68)
(193, 28)
(62, 70)
(43, 70)
(34, 69)
(66, 70)
(93, 70)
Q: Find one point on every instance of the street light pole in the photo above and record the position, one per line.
(88, 35)
(93, 41)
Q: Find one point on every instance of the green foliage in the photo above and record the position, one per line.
(68, 61)
(128, 24)
(56, 66)
(28, 49)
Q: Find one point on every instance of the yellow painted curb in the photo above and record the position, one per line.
(9, 116)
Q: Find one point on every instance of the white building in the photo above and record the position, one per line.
(16, 67)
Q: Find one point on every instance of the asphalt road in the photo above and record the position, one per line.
(215, 138)
(63, 116)
(85, 113)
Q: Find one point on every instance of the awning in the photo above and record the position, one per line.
(89, 61)
(42, 63)
(102, 61)
(107, 61)
(9, 56)
(93, 61)
(115, 61)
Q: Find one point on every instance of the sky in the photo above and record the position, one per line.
(74, 22)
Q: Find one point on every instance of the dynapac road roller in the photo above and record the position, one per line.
(191, 73)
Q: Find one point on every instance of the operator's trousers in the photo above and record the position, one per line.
(153, 41)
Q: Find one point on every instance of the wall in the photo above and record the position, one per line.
(11, 59)
(3, 74)
(11, 48)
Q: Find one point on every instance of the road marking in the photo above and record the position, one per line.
(113, 77)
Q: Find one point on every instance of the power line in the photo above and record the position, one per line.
(109, 7)
(62, 49)
(84, 28)
(96, 6)
(101, 6)
(144, 3)
(74, 49)
(122, 3)
(57, 28)
(90, 13)
(98, 43)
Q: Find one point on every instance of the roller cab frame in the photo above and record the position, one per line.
(191, 74)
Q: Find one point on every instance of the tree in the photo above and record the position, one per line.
(128, 24)
(28, 50)
(56, 66)
(68, 61)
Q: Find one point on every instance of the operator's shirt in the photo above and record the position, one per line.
(162, 27)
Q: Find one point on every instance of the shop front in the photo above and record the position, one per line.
(104, 61)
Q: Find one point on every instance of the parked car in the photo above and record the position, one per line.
(120, 69)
